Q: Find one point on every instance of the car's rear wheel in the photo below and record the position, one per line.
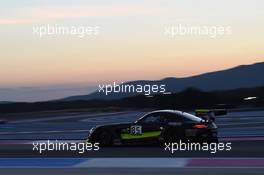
(105, 138)
(173, 135)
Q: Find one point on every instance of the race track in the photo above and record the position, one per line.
(77, 126)
(244, 129)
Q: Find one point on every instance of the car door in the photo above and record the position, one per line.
(149, 128)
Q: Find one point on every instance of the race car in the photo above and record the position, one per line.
(156, 127)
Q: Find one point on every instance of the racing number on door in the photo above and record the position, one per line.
(136, 130)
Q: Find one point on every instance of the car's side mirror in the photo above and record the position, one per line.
(136, 122)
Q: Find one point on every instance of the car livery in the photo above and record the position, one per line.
(156, 127)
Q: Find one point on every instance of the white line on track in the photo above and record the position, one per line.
(44, 132)
(134, 163)
(67, 117)
(238, 123)
(137, 163)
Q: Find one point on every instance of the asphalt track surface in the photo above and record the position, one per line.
(77, 126)
(244, 129)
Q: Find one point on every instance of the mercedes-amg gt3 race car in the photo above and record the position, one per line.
(156, 127)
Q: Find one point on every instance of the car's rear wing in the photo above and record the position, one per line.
(215, 112)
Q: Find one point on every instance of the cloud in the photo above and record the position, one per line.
(97, 11)
(55, 13)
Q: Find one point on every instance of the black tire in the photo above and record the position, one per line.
(105, 138)
(173, 135)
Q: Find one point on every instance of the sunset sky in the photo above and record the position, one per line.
(131, 43)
